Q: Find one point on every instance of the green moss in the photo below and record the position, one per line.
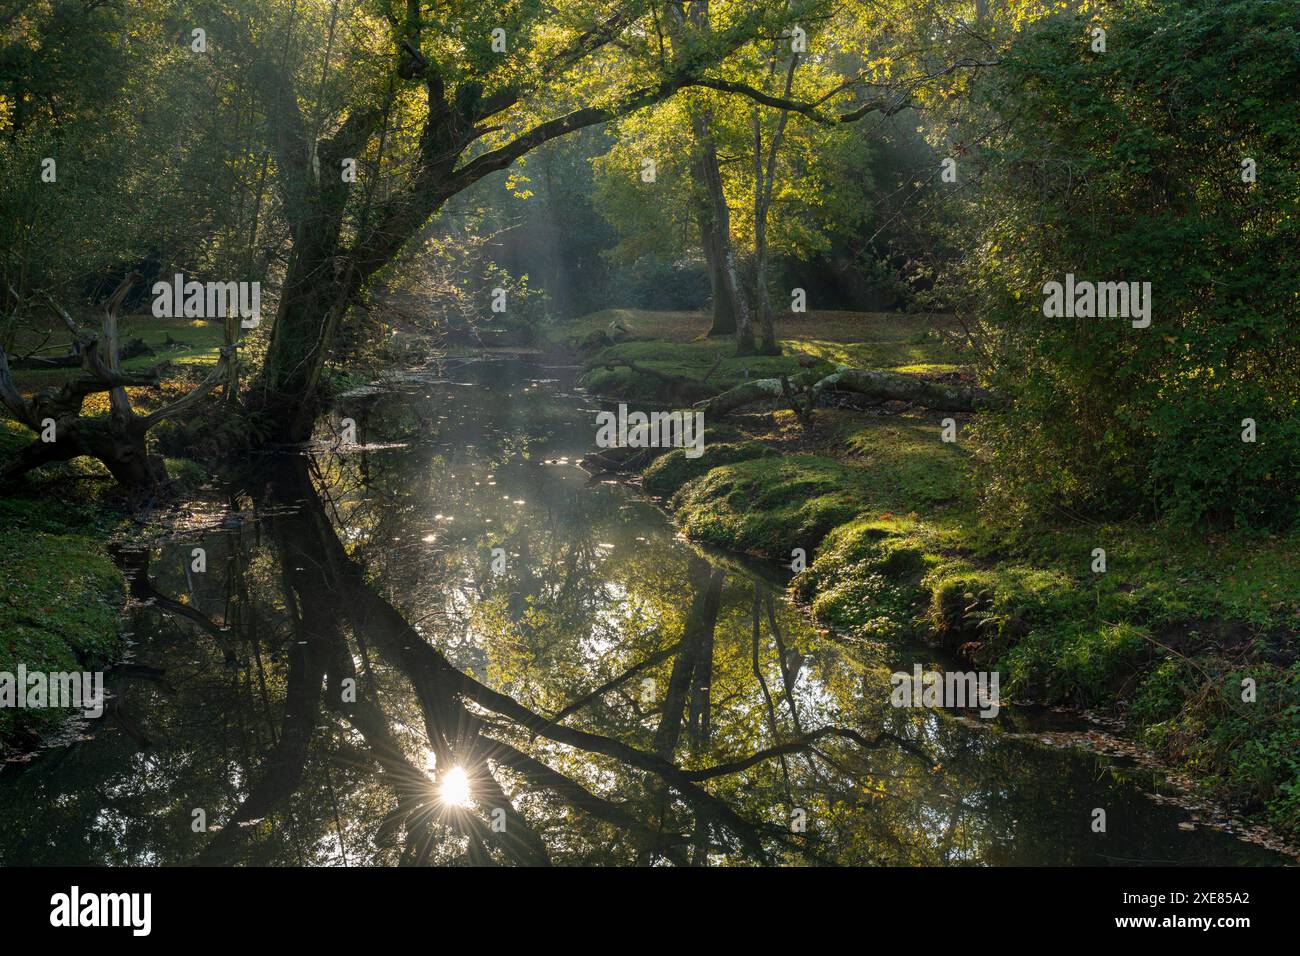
(911, 467)
(690, 360)
(59, 589)
(771, 508)
(863, 546)
(58, 612)
(868, 605)
(674, 343)
(13, 436)
(669, 472)
(919, 352)
(767, 506)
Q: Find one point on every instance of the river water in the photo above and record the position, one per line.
(449, 644)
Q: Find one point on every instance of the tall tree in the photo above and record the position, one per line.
(483, 86)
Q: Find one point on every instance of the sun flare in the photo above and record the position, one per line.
(454, 789)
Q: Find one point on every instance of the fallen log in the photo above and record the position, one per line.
(884, 386)
(759, 390)
(894, 387)
(132, 349)
(679, 388)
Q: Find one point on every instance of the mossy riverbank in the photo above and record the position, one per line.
(1192, 639)
(61, 589)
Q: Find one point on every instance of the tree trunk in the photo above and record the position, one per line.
(724, 250)
(724, 307)
(119, 446)
(744, 326)
(763, 300)
(122, 450)
(287, 397)
(762, 201)
(764, 180)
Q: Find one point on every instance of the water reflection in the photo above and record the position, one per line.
(449, 647)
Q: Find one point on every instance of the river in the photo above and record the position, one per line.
(449, 644)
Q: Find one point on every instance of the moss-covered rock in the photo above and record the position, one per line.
(669, 472)
(767, 506)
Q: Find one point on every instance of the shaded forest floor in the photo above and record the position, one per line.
(1169, 637)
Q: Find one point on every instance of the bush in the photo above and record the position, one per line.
(1127, 166)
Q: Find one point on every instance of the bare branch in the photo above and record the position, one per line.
(19, 407)
(805, 741)
(215, 377)
(118, 400)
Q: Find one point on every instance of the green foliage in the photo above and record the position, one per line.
(1126, 166)
(1195, 712)
(1161, 695)
(151, 144)
(1084, 664)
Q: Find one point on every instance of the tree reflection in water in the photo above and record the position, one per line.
(517, 761)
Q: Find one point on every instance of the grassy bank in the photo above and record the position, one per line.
(1171, 635)
(671, 343)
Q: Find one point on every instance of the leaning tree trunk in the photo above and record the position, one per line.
(317, 291)
(764, 180)
(118, 441)
(287, 395)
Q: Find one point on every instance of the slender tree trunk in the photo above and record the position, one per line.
(762, 297)
(764, 180)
